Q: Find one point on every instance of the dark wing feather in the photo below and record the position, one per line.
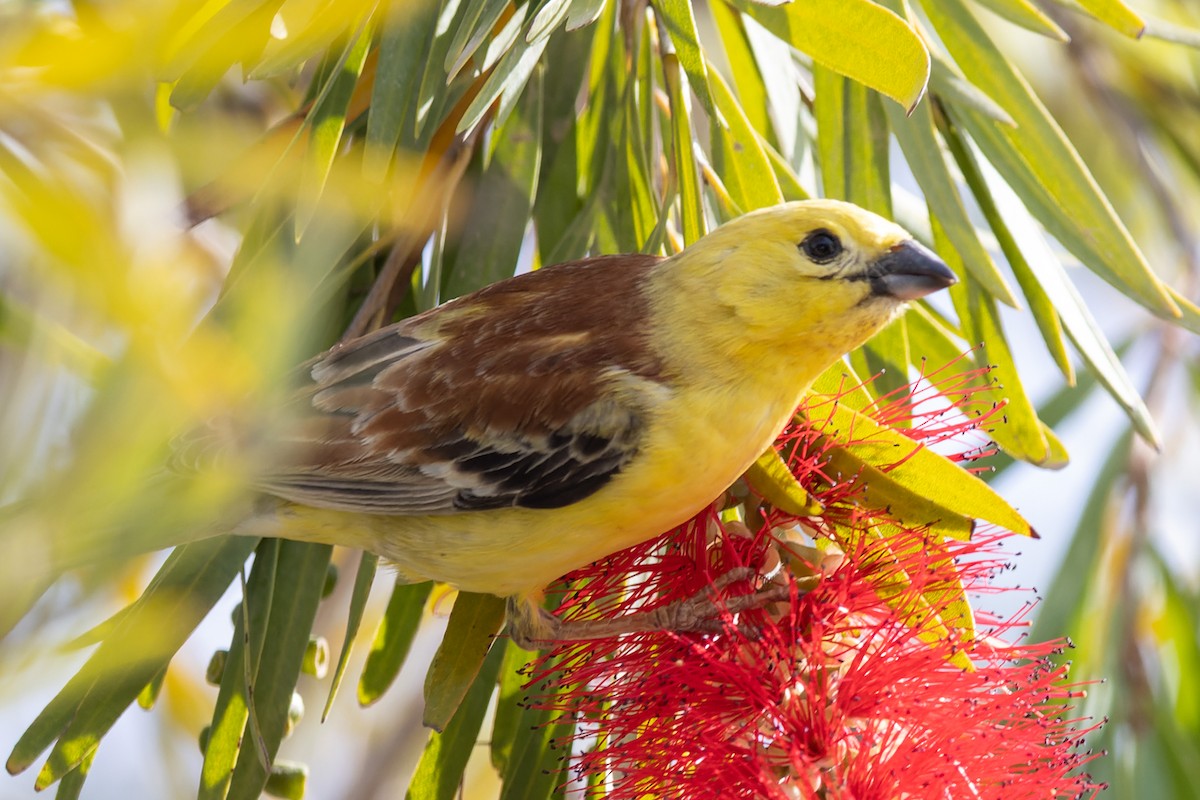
(530, 393)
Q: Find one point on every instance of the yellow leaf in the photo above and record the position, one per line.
(770, 477)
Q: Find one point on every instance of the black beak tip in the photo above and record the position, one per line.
(910, 270)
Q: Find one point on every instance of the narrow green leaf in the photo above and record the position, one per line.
(684, 162)
(911, 466)
(1169, 31)
(72, 783)
(785, 176)
(855, 38)
(1028, 16)
(888, 356)
(1018, 432)
(1039, 162)
(1116, 15)
(148, 696)
(535, 765)
(407, 37)
(296, 594)
(509, 706)
(930, 342)
(503, 200)
(1077, 320)
(505, 83)
(439, 773)
(829, 107)
(738, 157)
(770, 477)
(231, 712)
(584, 13)
(747, 79)
(474, 623)
(358, 603)
(923, 152)
(1040, 304)
(548, 17)
(190, 582)
(474, 27)
(955, 90)
(1065, 599)
(327, 122)
(393, 639)
(680, 22)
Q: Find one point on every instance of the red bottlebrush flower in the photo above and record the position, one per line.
(855, 689)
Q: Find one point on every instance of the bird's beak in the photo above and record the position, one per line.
(908, 271)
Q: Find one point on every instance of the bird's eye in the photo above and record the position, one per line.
(821, 246)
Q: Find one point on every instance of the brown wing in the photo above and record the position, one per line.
(531, 392)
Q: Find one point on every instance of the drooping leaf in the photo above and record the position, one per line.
(393, 639)
(474, 623)
(359, 595)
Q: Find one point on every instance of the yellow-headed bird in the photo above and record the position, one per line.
(516, 433)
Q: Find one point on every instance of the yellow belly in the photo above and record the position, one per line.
(684, 463)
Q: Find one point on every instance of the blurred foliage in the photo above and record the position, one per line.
(197, 196)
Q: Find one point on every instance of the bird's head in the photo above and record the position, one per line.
(824, 271)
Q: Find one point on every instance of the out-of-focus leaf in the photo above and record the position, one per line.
(474, 623)
(548, 17)
(918, 470)
(328, 121)
(680, 22)
(738, 157)
(439, 773)
(148, 696)
(358, 603)
(1044, 312)
(505, 83)
(684, 162)
(1077, 320)
(392, 641)
(1116, 15)
(474, 27)
(1064, 601)
(405, 45)
(945, 82)
(785, 176)
(829, 107)
(1171, 32)
(332, 21)
(1040, 163)
(1028, 16)
(72, 783)
(931, 342)
(743, 69)
(584, 13)
(204, 48)
(193, 578)
(855, 38)
(919, 142)
(502, 202)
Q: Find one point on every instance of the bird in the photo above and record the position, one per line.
(501, 439)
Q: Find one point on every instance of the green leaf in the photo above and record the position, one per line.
(296, 592)
(855, 38)
(535, 765)
(1041, 165)
(363, 580)
(1040, 304)
(680, 22)
(439, 773)
(72, 783)
(474, 623)
(405, 47)
(923, 152)
(504, 84)
(1078, 322)
(829, 107)
(909, 467)
(684, 162)
(1116, 15)
(326, 124)
(548, 17)
(509, 707)
(946, 84)
(770, 477)
(738, 157)
(584, 13)
(751, 87)
(474, 27)
(503, 200)
(190, 582)
(1028, 16)
(393, 639)
(1019, 431)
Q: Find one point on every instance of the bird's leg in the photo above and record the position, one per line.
(532, 626)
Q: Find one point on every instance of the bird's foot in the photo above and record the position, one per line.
(533, 627)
